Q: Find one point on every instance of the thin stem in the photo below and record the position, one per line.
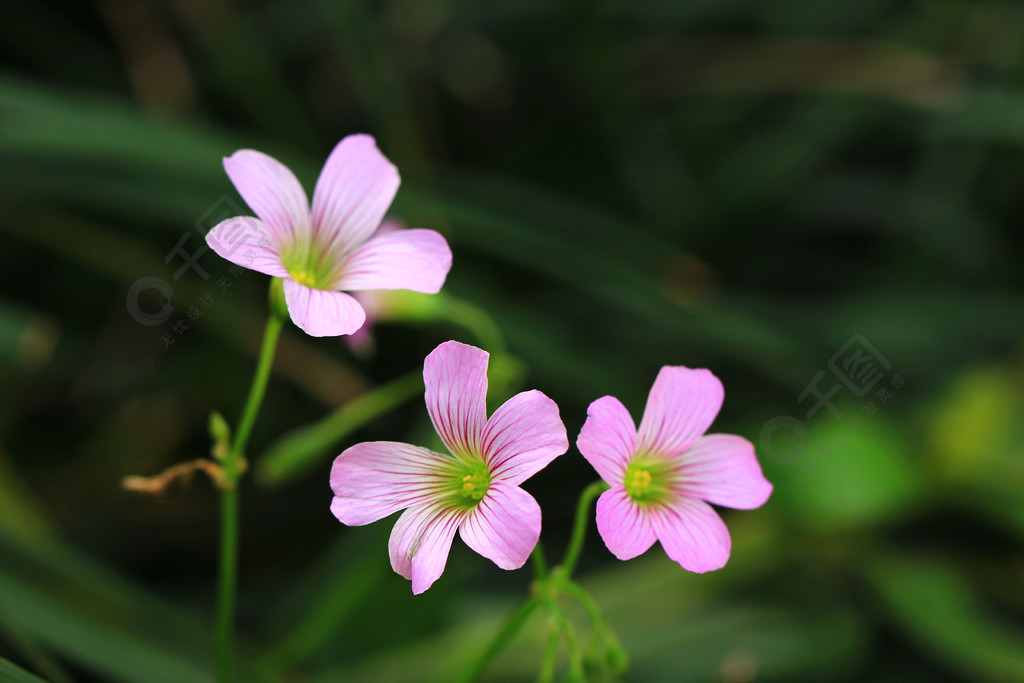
(579, 530)
(547, 667)
(512, 624)
(588, 603)
(540, 564)
(228, 574)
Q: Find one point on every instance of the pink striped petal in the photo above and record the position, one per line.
(354, 190)
(420, 543)
(455, 376)
(272, 191)
(722, 469)
(692, 534)
(504, 527)
(321, 313)
(608, 438)
(681, 406)
(407, 259)
(246, 241)
(625, 528)
(372, 480)
(522, 437)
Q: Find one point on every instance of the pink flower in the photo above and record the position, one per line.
(662, 474)
(322, 254)
(474, 489)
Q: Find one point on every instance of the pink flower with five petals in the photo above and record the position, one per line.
(323, 253)
(474, 489)
(663, 475)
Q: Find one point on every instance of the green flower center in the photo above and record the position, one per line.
(637, 482)
(311, 265)
(472, 479)
(649, 480)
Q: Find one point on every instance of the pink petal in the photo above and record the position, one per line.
(321, 313)
(625, 528)
(455, 376)
(722, 469)
(407, 259)
(272, 191)
(692, 534)
(246, 241)
(681, 406)
(522, 437)
(504, 527)
(354, 191)
(372, 480)
(420, 543)
(608, 438)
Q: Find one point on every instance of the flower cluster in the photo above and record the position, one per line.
(662, 477)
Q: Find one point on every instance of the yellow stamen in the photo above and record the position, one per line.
(304, 277)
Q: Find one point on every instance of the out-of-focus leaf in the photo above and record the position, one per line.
(847, 475)
(26, 339)
(93, 641)
(976, 422)
(20, 514)
(300, 449)
(12, 673)
(936, 608)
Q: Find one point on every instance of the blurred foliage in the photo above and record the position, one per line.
(729, 184)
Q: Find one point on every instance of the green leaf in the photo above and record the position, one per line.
(936, 607)
(845, 475)
(301, 449)
(12, 673)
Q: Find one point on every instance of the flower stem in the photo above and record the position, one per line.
(579, 531)
(512, 624)
(540, 564)
(228, 574)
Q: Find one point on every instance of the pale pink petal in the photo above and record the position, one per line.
(246, 241)
(722, 469)
(407, 259)
(321, 313)
(420, 543)
(504, 527)
(692, 534)
(623, 525)
(522, 437)
(455, 376)
(608, 438)
(374, 479)
(354, 191)
(272, 191)
(681, 406)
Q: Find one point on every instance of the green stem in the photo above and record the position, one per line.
(228, 575)
(547, 667)
(579, 530)
(540, 565)
(508, 630)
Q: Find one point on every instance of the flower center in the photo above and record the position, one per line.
(637, 482)
(304, 277)
(649, 480)
(311, 264)
(472, 481)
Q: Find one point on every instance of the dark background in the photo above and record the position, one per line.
(731, 184)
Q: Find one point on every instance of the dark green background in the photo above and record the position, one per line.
(731, 184)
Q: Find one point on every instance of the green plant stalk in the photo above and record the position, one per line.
(508, 630)
(579, 530)
(540, 564)
(228, 574)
